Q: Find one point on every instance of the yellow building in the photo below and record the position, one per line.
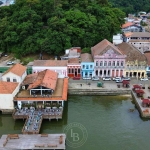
(136, 62)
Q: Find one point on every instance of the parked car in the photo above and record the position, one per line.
(95, 78)
(144, 79)
(107, 79)
(116, 78)
(10, 63)
(87, 78)
(76, 78)
(118, 81)
(126, 78)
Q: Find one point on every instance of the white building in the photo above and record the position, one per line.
(8, 90)
(59, 66)
(16, 73)
(117, 39)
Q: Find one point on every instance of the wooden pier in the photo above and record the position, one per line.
(34, 141)
(34, 118)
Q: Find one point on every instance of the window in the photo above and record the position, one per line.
(105, 63)
(101, 63)
(109, 63)
(72, 70)
(69, 70)
(96, 63)
(78, 70)
(90, 66)
(8, 79)
(113, 63)
(117, 63)
(14, 80)
(122, 63)
(83, 66)
(87, 66)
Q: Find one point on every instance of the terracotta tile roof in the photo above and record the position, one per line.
(147, 55)
(104, 46)
(86, 57)
(127, 25)
(128, 34)
(51, 63)
(17, 69)
(7, 87)
(46, 78)
(73, 60)
(63, 96)
(131, 52)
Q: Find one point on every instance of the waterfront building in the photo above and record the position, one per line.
(8, 90)
(87, 65)
(42, 88)
(140, 40)
(16, 73)
(59, 66)
(108, 60)
(74, 68)
(136, 62)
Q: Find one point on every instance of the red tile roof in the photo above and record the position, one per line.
(73, 60)
(46, 78)
(127, 25)
(52, 63)
(17, 69)
(104, 46)
(7, 87)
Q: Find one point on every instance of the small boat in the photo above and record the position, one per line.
(131, 110)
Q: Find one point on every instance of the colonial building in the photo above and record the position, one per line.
(42, 88)
(140, 40)
(108, 60)
(59, 66)
(8, 90)
(136, 62)
(131, 27)
(16, 73)
(74, 68)
(87, 65)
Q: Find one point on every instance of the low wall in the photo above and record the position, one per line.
(7, 111)
(99, 91)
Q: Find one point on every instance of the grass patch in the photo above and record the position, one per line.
(26, 60)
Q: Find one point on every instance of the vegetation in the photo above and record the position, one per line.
(132, 6)
(51, 26)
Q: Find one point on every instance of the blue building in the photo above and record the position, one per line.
(87, 65)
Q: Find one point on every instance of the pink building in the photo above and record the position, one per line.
(108, 60)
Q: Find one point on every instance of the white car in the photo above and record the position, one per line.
(144, 79)
(95, 78)
(116, 78)
(87, 78)
(10, 63)
(118, 81)
(107, 79)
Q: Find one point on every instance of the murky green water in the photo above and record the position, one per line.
(109, 123)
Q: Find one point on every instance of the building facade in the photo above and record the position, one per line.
(136, 62)
(87, 65)
(108, 60)
(59, 66)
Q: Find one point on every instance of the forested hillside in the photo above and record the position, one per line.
(132, 6)
(51, 26)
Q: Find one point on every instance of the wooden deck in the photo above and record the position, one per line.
(38, 141)
(34, 118)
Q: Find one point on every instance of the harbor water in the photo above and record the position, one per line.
(107, 120)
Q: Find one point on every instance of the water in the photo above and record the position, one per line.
(107, 120)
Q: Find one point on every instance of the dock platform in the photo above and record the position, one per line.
(34, 118)
(34, 141)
